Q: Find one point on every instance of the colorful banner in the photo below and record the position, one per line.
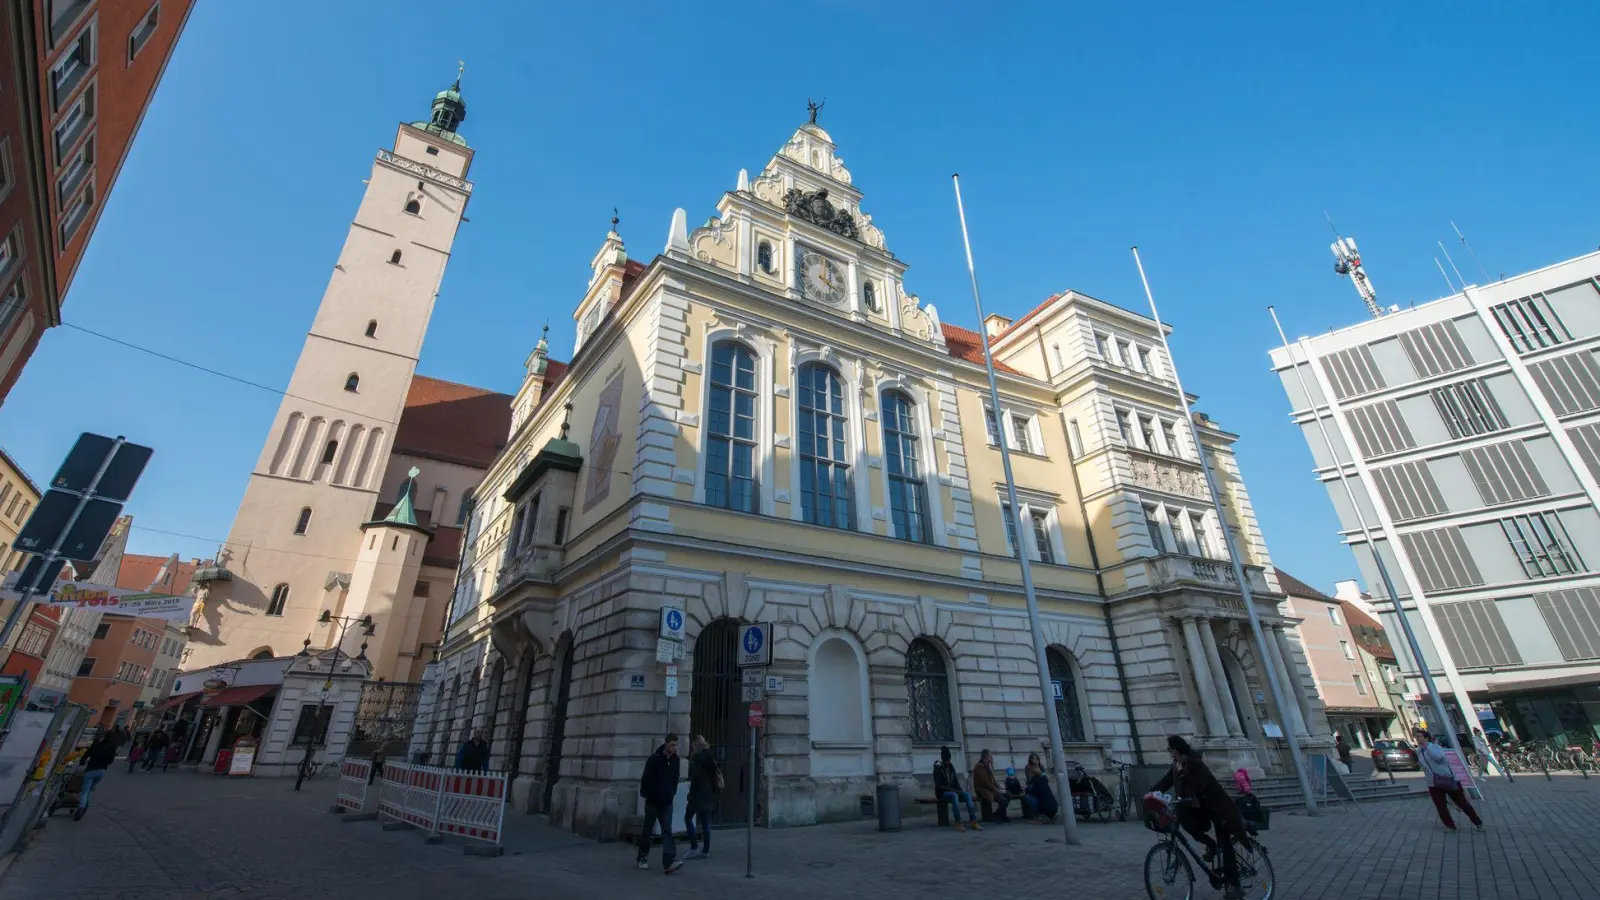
(115, 600)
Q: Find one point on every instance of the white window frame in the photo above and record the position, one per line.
(847, 369)
(1005, 423)
(662, 444)
(73, 217)
(80, 167)
(926, 463)
(1031, 502)
(88, 37)
(1175, 521)
(1348, 653)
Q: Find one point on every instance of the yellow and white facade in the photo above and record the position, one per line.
(764, 424)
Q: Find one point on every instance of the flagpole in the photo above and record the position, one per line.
(1069, 816)
(1233, 557)
(1465, 702)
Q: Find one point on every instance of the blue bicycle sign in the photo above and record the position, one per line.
(672, 623)
(755, 644)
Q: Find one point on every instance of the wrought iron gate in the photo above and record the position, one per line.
(557, 730)
(716, 712)
(384, 719)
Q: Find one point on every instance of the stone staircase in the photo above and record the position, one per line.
(1282, 792)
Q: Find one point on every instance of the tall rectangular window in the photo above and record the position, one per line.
(1019, 431)
(1102, 346)
(1013, 539)
(991, 426)
(1361, 686)
(1125, 353)
(1169, 433)
(73, 66)
(908, 493)
(1348, 653)
(73, 215)
(1176, 518)
(75, 121)
(825, 495)
(1147, 432)
(74, 172)
(1542, 545)
(1202, 536)
(731, 429)
(1074, 439)
(12, 305)
(1125, 426)
(1146, 363)
(1152, 524)
(1041, 535)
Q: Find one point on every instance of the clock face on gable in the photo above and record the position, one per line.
(821, 278)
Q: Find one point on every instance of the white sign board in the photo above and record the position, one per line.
(125, 602)
(1271, 729)
(666, 650)
(752, 693)
(672, 685)
(672, 623)
(679, 651)
(754, 676)
(1055, 688)
(755, 645)
(774, 684)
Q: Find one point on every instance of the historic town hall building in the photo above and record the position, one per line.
(763, 423)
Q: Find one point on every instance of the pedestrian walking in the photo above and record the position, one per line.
(155, 750)
(947, 788)
(1486, 759)
(658, 786)
(474, 754)
(705, 783)
(102, 753)
(135, 753)
(1442, 784)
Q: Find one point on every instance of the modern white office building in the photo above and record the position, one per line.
(1468, 429)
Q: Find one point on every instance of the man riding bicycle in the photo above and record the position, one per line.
(1209, 805)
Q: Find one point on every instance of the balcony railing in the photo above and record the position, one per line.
(534, 563)
(1173, 570)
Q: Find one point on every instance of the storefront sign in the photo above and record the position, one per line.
(244, 757)
(213, 685)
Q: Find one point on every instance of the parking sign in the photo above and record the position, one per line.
(755, 644)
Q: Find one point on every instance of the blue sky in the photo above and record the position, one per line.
(1213, 136)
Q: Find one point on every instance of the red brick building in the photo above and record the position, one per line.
(75, 79)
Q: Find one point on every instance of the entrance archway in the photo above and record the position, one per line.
(1244, 702)
(716, 712)
(557, 730)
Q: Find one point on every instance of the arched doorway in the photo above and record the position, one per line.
(557, 730)
(716, 712)
(1244, 702)
(1064, 681)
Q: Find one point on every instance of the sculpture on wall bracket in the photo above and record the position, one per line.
(814, 207)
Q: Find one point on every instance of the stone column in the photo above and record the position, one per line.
(1206, 688)
(1230, 712)
(1299, 686)
(1292, 715)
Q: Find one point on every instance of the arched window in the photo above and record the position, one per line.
(413, 207)
(731, 428)
(824, 469)
(928, 689)
(908, 493)
(262, 653)
(304, 522)
(329, 452)
(280, 599)
(352, 383)
(869, 295)
(372, 328)
(394, 258)
(764, 257)
(1065, 685)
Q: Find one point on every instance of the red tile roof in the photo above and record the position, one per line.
(1297, 588)
(967, 345)
(139, 571)
(453, 423)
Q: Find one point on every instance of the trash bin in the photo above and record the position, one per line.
(888, 804)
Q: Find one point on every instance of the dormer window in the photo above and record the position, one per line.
(764, 258)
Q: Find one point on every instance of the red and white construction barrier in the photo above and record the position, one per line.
(474, 805)
(354, 776)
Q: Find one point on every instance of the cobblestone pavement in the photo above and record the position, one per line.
(184, 836)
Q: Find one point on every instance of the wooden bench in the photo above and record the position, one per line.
(939, 805)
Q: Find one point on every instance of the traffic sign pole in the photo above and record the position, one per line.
(28, 590)
(750, 811)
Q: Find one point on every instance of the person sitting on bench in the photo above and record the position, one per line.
(947, 788)
(990, 798)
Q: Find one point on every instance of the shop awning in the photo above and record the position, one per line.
(237, 696)
(177, 701)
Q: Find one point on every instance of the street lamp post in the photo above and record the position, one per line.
(368, 629)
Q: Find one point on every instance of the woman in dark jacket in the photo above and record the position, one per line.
(703, 788)
(1189, 779)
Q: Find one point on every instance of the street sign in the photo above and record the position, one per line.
(753, 677)
(755, 645)
(1055, 688)
(85, 458)
(665, 650)
(774, 684)
(679, 651)
(672, 623)
(752, 693)
(672, 685)
(757, 716)
(50, 520)
(39, 574)
(672, 670)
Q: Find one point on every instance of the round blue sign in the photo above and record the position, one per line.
(752, 640)
(674, 620)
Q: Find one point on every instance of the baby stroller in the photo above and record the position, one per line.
(71, 789)
(1090, 797)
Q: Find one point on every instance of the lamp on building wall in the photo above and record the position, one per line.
(368, 628)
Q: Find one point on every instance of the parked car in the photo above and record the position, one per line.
(1393, 754)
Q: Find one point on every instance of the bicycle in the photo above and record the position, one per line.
(1124, 799)
(1168, 874)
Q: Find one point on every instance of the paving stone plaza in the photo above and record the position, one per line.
(181, 836)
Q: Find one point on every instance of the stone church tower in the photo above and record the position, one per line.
(295, 542)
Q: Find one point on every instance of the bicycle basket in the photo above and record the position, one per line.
(1158, 814)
